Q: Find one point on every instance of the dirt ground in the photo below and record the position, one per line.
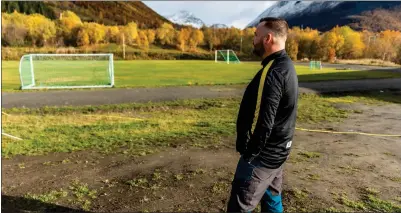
(325, 172)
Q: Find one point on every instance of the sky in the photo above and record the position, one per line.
(231, 13)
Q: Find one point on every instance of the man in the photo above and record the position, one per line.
(266, 123)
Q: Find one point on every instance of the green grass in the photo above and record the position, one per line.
(156, 73)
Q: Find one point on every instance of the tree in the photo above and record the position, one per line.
(166, 34)
(14, 30)
(96, 33)
(353, 45)
(68, 26)
(142, 40)
(40, 29)
(183, 38)
(113, 34)
(330, 44)
(151, 35)
(195, 39)
(247, 40)
(388, 41)
(130, 33)
(292, 47)
(83, 38)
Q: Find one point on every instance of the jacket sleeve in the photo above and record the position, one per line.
(272, 93)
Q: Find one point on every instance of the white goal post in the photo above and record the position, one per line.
(225, 56)
(66, 71)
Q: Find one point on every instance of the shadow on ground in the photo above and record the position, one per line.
(21, 204)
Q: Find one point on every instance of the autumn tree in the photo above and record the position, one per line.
(331, 43)
(40, 29)
(389, 42)
(142, 40)
(130, 32)
(208, 37)
(13, 29)
(292, 45)
(195, 39)
(151, 34)
(183, 38)
(112, 34)
(398, 60)
(95, 32)
(353, 46)
(68, 26)
(247, 40)
(166, 34)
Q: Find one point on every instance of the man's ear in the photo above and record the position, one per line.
(268, 38)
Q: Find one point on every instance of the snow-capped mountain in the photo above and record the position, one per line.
(321, 15)
(219, 26)
(286, 9)
(186, 18)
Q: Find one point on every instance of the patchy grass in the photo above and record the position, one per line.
(389, 154)
(370, 201)
(347, 169)
(143, 128)
(50, 197)
(313, 177)
(83, 194)
(309, 155)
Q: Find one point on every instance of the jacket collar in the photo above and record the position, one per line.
(272, 57)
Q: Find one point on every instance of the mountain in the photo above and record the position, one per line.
(104, 12)
(324, 15)
(219, 26)
(183, 17)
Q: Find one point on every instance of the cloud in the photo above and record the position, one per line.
(231, 13)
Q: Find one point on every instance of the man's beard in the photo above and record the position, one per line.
(258, 49)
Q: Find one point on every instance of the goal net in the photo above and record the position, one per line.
(57, 71)
(227, 56)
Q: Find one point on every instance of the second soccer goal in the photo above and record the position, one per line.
(227, 56)
(58, 71)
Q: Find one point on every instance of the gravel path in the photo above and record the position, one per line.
(118, 96)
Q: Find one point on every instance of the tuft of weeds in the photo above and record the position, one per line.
(139, 183)
(50, 197)
(309, 155)
(83, 194)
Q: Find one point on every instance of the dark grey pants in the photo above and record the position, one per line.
(254, 183)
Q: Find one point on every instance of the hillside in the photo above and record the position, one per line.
(326, 15)
(104, 12)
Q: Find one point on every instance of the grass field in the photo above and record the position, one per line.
(153, 73)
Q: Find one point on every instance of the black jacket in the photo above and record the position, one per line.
(272, 138)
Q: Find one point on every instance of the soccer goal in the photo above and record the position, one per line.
(225, 56)
(66, 71)
(315, 65)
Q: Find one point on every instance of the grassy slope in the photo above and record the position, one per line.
(153, 73)
(144, 128)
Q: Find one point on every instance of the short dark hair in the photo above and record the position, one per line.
(277, 26)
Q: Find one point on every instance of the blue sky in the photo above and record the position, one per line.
(231, 13)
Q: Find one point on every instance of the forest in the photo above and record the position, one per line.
(68, 30)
